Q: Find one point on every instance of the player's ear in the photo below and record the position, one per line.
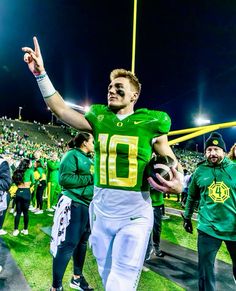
(134, 98)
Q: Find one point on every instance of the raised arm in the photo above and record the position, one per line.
(52, 98)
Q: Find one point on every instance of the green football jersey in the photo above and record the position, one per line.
(124, 147)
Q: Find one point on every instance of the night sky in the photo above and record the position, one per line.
(185, 55)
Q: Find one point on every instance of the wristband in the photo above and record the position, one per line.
(45, 85)
(36, 74)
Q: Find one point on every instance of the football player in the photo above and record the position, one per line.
(121, 211)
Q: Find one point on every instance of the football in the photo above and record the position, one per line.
(161, 165)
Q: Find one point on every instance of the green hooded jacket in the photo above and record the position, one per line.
(215, 188)
(76, 176)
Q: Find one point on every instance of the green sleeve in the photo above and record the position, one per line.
(95, 112)
(162, 122)
(69, 175)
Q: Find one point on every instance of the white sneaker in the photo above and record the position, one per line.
(145, 269)
(15, 232)
(22, 214)
(24, 231)
(54, 207)
(38, 212)
(12, 210)
(50, 210)
(31, 207)
(35, 210)
(14, 214)
(3, 232)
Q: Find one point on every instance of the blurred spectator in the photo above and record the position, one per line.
(184, 194)
(5, 183)
(53, 187)
(232, 153)
(155, 238)
(23, 177)
(41, 185)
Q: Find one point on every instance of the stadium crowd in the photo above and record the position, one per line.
(17, 145)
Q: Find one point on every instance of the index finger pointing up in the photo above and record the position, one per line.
(36, 46)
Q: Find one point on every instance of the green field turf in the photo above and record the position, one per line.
(32, 254)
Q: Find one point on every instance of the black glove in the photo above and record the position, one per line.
(187, 224)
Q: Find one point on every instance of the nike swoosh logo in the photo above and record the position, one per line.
(134, 218)
(137, 122)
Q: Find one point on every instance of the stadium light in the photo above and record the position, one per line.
(86, 108)
(19, 113)
(200, 120)
(51, 115)
(81, 109)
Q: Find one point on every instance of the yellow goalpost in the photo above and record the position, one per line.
(188, 133)
(197, 131)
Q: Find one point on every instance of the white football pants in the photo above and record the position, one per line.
(120, 247)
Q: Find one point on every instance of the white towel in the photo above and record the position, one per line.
(60, 222)
(3, 201)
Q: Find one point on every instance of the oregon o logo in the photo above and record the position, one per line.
(119, 124)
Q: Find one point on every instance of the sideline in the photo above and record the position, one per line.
(177, 212)
(11, 277)
(179, 264)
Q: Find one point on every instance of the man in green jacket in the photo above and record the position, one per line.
(214, 186)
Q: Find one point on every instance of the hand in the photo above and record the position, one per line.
(34, 58)
(187, 224)
(173, 186)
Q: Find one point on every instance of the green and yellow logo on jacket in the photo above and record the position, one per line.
(218, 192)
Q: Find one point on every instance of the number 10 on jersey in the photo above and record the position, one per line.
(108, 160)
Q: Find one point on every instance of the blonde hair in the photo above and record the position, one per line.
(231, 153)
(117, 73)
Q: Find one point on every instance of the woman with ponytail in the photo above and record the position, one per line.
(23, 177)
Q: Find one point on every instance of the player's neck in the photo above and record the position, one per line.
(125, 111)
(123, 116)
